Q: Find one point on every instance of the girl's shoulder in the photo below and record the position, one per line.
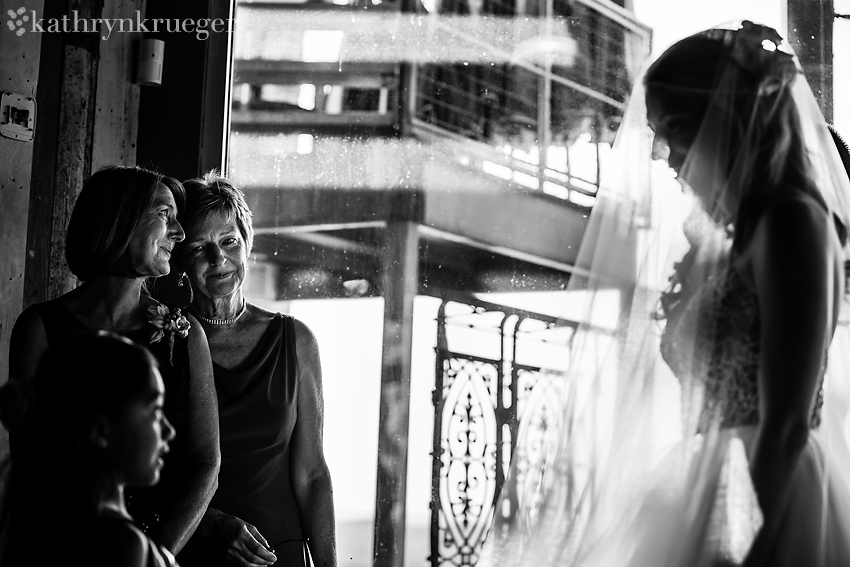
(121, 542)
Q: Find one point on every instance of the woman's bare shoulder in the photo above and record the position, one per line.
(795, 215)
(27, 343)
(29, 322)
(261, 313)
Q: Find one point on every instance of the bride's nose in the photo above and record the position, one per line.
(660, 148)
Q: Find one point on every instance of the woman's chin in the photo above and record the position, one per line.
(219, 290)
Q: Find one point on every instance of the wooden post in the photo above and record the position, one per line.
(399, 283)
(59, 179)
(116, 119)
(810, 27)
(39, 226)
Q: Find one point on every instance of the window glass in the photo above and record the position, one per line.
(421, 173)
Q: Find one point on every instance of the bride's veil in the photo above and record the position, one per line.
(633, 469)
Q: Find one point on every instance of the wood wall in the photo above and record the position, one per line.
(87, 117)
(19, 63)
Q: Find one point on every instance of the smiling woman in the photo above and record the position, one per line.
(274, 490)
(121, 233)
(154, 238)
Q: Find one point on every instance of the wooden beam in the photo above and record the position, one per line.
(81, 55)
(116, 115)
(399, 283)
(87, 118)
(362, 74)
(40, 219)
(288, 207)
(217, 91)
(810, 31)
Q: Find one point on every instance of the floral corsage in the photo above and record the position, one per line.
(170, 322)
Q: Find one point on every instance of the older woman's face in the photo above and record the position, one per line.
(156, 234)
(215, 256)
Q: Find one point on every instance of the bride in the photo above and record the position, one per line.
(726, 441)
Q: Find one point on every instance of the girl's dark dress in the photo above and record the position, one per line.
(111, 522)
(147, 505)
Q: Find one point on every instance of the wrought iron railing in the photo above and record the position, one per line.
(479, 401)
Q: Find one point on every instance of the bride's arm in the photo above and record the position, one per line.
(793, 256)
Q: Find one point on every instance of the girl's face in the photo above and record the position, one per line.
(138, 437)
(215, 255)
(155, 236)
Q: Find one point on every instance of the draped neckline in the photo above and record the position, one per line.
(258, 353)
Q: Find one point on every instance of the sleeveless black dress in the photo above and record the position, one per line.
(109, 522)
(257, 413)
(147, 505)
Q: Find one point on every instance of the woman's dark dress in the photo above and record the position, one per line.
(257, 408)
(147, 505)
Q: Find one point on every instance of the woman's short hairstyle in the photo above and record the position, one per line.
(211, 194)
(105, 216)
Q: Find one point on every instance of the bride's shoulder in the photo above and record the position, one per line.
(794, 225)
(793, 213)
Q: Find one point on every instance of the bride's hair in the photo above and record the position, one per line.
(728, 79)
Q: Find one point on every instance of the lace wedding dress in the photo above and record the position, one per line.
(648, 463)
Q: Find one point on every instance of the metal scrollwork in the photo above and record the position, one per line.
(478, 402)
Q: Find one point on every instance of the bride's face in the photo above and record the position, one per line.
(676, 130)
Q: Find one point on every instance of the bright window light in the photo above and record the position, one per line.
(321, 46)
(526, 180)
(556, 158)
(496, 169)
(307, 97)
(556, 190)
(304, 144)
(582, 199)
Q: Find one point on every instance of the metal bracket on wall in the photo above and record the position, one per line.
(17, 116)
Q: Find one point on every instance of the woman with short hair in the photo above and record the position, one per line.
(274, 486)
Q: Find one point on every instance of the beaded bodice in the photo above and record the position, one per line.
(714, 339)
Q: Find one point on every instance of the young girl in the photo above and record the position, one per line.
(88, 424)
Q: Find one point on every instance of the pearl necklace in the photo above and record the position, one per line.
(229, 321)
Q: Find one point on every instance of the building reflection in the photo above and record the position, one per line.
(442, 153)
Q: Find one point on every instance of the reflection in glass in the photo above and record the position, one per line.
(420, 175)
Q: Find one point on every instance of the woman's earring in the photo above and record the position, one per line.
(182, 277)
